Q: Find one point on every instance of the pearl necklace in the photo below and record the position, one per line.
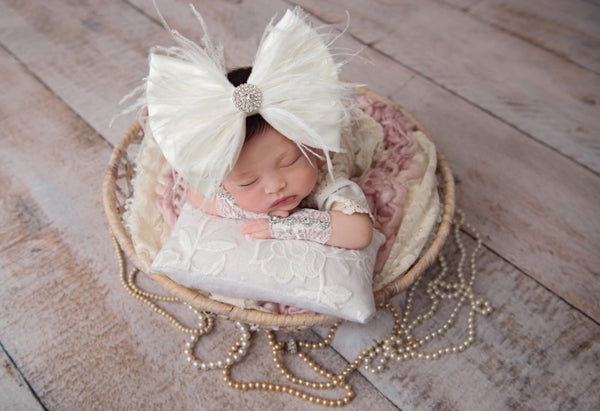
(205, 321)
(400, 344)
(235, 355)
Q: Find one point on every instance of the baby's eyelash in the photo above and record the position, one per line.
(249, 184)
(293, 161)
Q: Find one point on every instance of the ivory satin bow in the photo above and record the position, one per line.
(200, 126)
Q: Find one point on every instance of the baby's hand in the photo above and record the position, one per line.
(259, 228)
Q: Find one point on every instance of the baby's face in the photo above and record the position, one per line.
(271, 174)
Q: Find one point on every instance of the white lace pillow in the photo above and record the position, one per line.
(210, 254)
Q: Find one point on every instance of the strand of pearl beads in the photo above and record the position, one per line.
(401, 344)
(206, 322)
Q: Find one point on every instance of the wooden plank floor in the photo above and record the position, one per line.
(509, 90)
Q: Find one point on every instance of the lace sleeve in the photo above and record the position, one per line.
(340, 195)
(351, 206)
(304, 224)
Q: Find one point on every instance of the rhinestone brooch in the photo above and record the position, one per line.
(247, 98)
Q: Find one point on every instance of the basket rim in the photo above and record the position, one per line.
(253, 316)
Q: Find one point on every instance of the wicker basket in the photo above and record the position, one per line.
(117, 188)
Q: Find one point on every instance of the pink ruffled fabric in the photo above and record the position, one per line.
(282, 308)
(170, 194)
(385, 183)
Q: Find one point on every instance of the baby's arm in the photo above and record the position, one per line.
(198, 200)
(352, 231)
(221, 204)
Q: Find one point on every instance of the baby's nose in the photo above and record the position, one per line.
(275, 184)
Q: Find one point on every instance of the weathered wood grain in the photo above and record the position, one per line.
(568, 28)
(77, 336)
(77, 52)
(546, 97)
(82, 341)
(530, 204)
(14, 392)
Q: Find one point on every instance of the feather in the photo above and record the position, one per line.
(199, 129)
(303, 97)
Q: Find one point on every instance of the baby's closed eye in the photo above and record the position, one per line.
(248, 182)
(291, 160)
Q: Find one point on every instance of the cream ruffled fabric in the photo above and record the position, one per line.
(421, 212)
(142, 217)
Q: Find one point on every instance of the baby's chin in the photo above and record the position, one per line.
(279, 213)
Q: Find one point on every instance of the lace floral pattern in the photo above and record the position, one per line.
(209, 253)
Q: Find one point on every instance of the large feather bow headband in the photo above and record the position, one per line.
(197, 116)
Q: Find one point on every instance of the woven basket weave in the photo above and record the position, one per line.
(117, 188)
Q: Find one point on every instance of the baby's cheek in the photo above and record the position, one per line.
(311, 179)
(249, 201)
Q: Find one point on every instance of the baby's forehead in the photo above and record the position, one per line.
(264, 148)
(267, 143)
(270, 134)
